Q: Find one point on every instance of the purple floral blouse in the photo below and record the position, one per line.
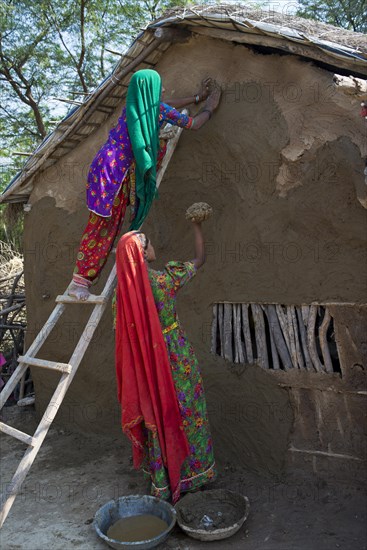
(113, 160)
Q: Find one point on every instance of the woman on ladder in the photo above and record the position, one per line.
(124, 170)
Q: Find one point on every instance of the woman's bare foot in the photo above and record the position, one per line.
(79, 292)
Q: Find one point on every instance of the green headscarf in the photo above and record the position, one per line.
(142, 114)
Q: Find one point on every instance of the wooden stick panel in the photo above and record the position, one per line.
(285, 337)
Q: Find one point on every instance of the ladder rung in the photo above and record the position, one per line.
(92, 299)
(25, 438)
(52, 365)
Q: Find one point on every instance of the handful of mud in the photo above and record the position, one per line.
(199, 212)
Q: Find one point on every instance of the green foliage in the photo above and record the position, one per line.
(348, 14)
(54, 50)
(60, 49)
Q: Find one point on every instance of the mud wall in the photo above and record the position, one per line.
(281, 164)
(328, 437)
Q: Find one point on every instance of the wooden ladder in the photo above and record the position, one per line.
(67, 370)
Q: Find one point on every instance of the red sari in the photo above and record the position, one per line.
(145, 386)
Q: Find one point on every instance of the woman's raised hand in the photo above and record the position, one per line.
(204, 91)
(213, 99)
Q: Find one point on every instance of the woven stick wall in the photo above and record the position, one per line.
(275, 336)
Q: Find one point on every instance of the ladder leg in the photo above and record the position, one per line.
(12, 383)
(8, 498)
(11, 491)
(90, 328)
(36, 345)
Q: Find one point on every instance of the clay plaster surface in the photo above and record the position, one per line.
(283, 239)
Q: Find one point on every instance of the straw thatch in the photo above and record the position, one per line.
(313, 30)
(332, 48)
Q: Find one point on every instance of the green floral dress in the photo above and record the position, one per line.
(199, 466)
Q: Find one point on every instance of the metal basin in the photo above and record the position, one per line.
(133, 505)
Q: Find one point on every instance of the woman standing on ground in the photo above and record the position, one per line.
(124, 170)
(159, 381)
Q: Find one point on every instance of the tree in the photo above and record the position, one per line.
(53, 50)
(348, 14)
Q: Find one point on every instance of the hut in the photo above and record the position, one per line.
(277, 316)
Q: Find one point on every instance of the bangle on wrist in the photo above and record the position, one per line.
(208, 111)
(197, 99)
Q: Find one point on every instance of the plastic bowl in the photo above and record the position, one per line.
(133, 505)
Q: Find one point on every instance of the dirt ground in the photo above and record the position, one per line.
(74, 474)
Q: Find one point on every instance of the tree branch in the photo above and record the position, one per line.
(26, 97)
(53, 21)
(19, 121)
(79, 65)
(31, 102)
(31, 48)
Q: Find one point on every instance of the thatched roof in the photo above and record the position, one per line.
(335, 49)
